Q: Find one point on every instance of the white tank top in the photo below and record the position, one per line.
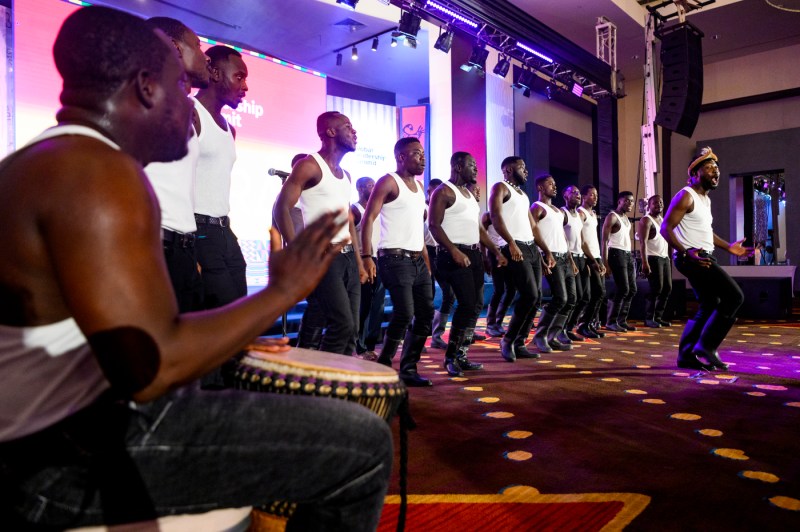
(47, 372)
(376, 229)
(173, 184)
(462, 218)
(573, 231)
(695, 229)
(429, 240)
(622, 238)
(589, 232)
(551, 227)
(403, 219)
(212, 193)
(515, 215)
(495, 237)
(657, 246)
(330, 194)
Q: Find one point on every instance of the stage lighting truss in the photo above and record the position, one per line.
(452, 17)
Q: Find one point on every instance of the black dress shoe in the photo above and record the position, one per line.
(522, 352)
(599, 333)
(452, 367)
(626, 326)
(542, 345)
(466, 365)
(663, 323)
(438, 343)
(586, 332)
(478, 338)
(652, 324)
(613, 327)
(493, 331)
(575, 337)
(558, 346)
(692, 362)
(713, 359)
(415, 380)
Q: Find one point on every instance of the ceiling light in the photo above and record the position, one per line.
(409, 24)
(394, 42)
(354, 54)
(450, 12)
(537, 53)
(444, 42)
(375, 44)
(502, 67)
(411, 42)
(523, 79)
(349, 3)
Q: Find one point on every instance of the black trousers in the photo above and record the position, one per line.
(660, 281)
(526, 276)
(624, 273)
(467, 285)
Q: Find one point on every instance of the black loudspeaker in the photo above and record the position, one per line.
(682, 85)
(766, 297)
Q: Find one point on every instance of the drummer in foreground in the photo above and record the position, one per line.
(95, 426)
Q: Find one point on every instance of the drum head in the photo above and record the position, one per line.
(320, 364)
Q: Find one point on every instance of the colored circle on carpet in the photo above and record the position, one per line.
(725, 377)
(488, 400)
(566, 366)
(519, 490)
(774, 387)
(518, 434)
(606, 360)
(654, 401)
(499, 415)
(473, 388)
(767, 354)
(611, 379)
(763, 476)
(643, 366)
(431, 366)
(787, 503)
(628, 352)
(708, 381)
(636, 392)
(763, 367)
(585, 372)
(458, 379)
(730, 454)
(793, 404)
(712, 433)
(580, 356)
(544, 361)
(756, 394)
(681, 374)
(685, 417)
(517, 456)
(656, 356)
(440, 373)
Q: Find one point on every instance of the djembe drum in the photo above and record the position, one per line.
(317, 373)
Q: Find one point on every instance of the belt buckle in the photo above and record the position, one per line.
(222, 221)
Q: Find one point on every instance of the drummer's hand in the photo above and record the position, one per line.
(270, 345)
(297, 270)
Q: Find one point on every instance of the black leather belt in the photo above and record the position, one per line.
(399, 252)
(222, 221)
(557, 255)
(178, 240)
(347, 248)
(526, 242)
(462, 247)
(619, 250)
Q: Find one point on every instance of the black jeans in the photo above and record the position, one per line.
(562, 286)
(409, 284)
(526, 277)
(504, 291)
(593, 295)
(467, 285)
(581, 288)
(660, 280)
(223, 266)
(370, 315)
(186, 281)
(714, 289)
(338, 297)
(624, 273)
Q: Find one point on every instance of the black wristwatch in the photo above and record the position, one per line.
(366, 256)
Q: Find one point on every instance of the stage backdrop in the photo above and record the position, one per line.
(276, 120)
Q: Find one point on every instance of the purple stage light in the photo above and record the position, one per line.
(451, 13)
(538, 54)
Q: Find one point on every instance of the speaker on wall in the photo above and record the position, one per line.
(682, 78)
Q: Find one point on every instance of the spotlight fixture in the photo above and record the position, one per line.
(526, 93)
(394, 41)
(354, 54)
(502, 67)
(411, 42)
(349, 3)
(523, 80)
(444, 42)
(577, 89)
(375, 44)
(339, 59)
(409, 24)
(477, 60)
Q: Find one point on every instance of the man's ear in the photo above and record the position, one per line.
(216, 73)
(145, 84)
(177, 46)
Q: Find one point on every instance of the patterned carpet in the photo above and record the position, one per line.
(610, 435)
